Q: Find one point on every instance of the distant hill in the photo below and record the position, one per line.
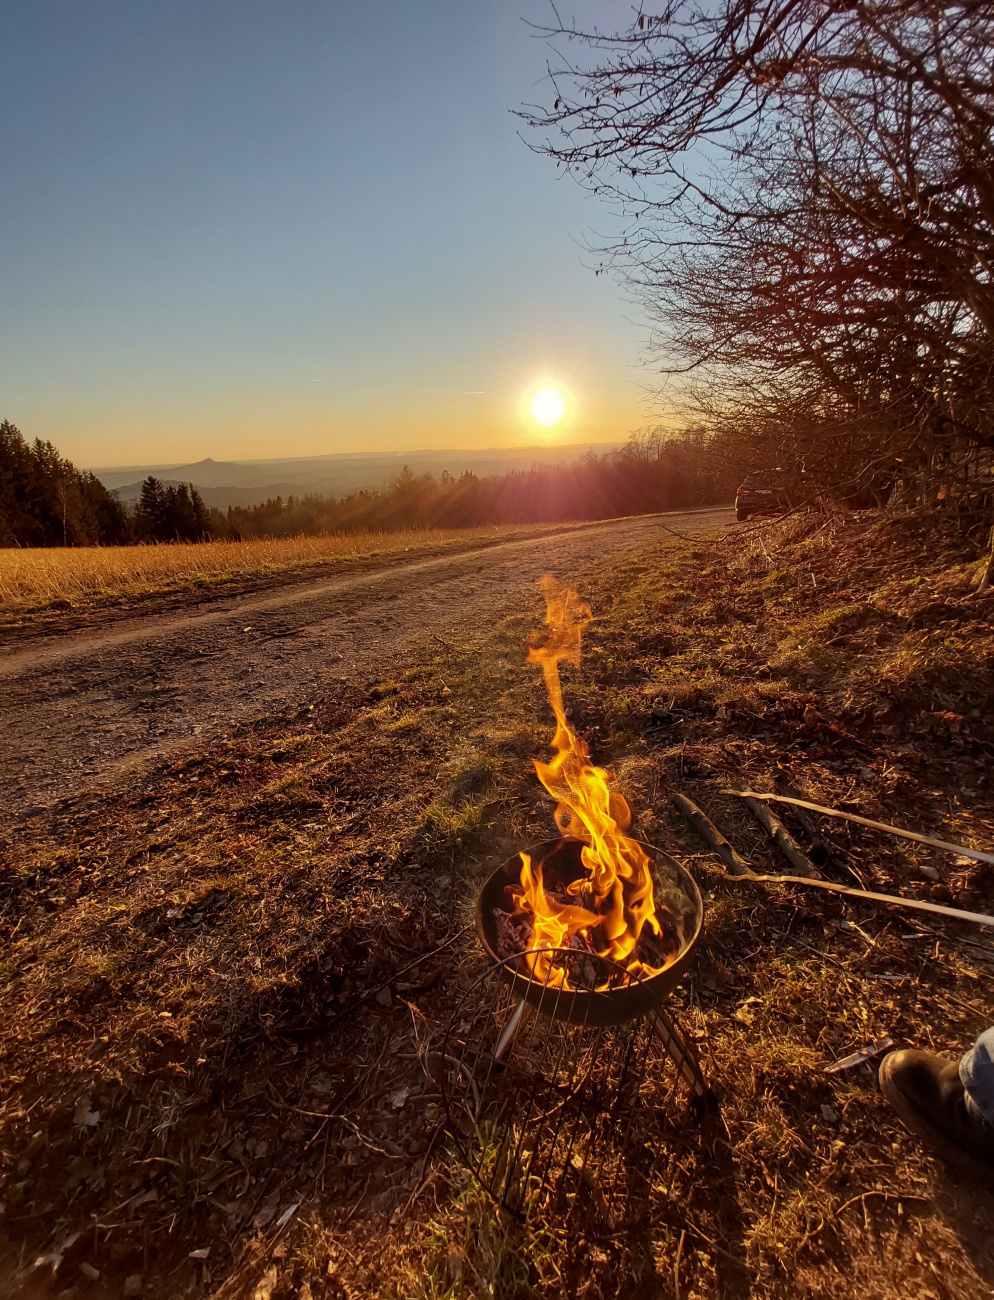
(248, 482)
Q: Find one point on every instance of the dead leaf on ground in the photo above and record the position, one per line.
(266, 1285)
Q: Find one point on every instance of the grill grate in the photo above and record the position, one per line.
(582, 1125)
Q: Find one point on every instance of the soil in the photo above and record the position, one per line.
(227, 985)
(86, 707)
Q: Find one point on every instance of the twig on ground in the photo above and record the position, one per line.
(782, 838)
(861, 1198)
(682, 536)
(958, 849)
(892, 900)
(676, 1264)
(421, 1181)
(711, 835)
(888, 1196)
(811, 1233)
(984, 578)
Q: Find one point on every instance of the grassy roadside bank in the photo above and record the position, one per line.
(219, 988)
(55, 580)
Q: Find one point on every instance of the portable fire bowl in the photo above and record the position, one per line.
(572, 1103)
(674, 888)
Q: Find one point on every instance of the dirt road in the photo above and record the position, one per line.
(89, 708)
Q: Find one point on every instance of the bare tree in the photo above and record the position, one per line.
(808, 187)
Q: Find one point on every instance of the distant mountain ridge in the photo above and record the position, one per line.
(224, 483)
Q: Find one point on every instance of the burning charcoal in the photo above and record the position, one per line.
(513, 933)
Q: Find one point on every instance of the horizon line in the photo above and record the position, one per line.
(358, 455)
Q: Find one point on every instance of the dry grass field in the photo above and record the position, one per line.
(51, 578)
(223, 991)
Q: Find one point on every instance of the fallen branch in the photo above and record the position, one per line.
(820, 843)
(711, 836)
(782, 838)
(975, 854)
(784, 785)
(888, 1196)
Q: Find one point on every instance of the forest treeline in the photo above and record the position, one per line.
(46, 501)
(653, 471)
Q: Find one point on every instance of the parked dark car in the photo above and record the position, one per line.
(760, 494)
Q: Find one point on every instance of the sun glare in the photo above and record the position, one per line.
(547, 407)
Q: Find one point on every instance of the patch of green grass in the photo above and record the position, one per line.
(476, 1250)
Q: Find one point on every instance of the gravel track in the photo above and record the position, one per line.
(94, 707)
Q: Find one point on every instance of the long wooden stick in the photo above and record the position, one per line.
(711, 835)
(975, 854)
(893, 900)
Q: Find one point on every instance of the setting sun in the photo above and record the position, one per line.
(547, 407)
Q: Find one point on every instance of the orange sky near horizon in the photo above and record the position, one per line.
(208, 251)
(190, 430)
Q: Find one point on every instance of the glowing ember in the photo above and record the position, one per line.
(605, 911)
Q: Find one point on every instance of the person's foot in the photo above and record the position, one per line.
(926, 1092)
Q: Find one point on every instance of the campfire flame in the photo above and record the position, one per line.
(609, 906)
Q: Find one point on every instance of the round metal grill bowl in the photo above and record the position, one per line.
(674, 888)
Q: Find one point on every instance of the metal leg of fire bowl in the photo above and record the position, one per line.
(583, 1127)
(682, 1053)
(510, 1029)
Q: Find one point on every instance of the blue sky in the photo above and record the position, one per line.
(241, 229)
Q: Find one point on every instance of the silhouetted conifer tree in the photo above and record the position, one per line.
(46, 501)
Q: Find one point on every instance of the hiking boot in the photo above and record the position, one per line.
(926, 1092)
